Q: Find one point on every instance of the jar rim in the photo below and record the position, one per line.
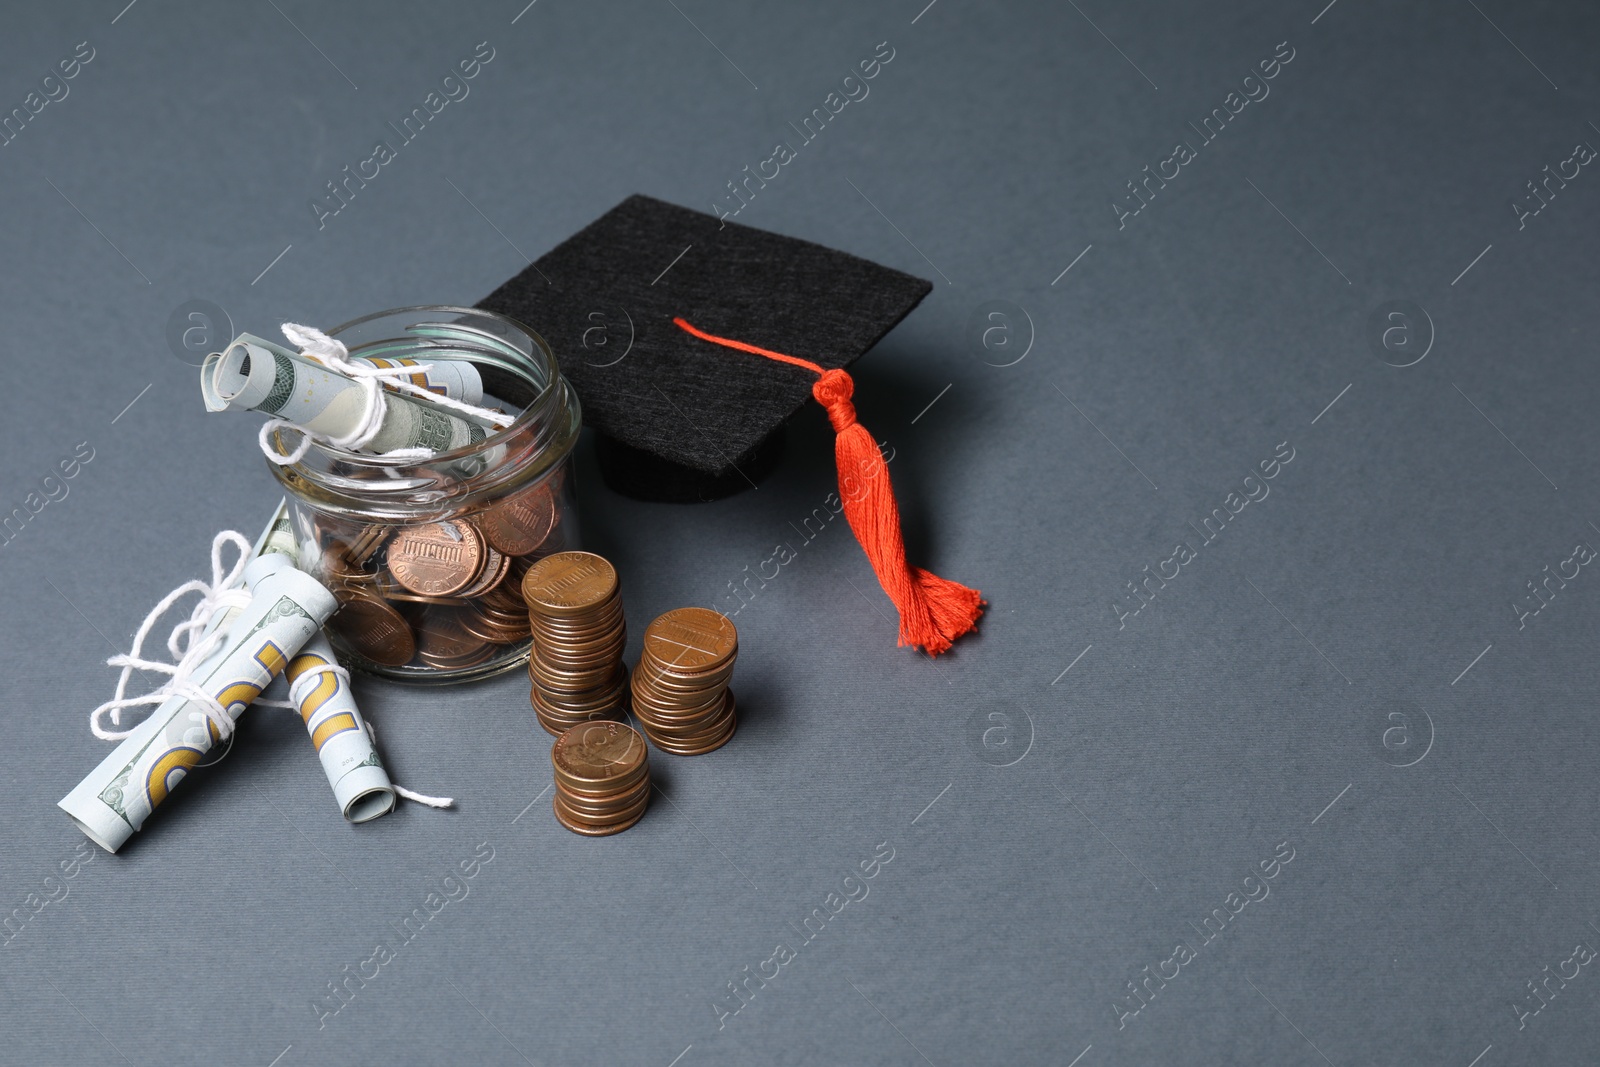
(537, 440)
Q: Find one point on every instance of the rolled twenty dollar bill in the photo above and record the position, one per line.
(257, 375)
(360, 784)
(287, 608)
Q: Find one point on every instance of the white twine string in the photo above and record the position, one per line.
(308, 681)
(189, 650)
(420, 798)
(332, 353)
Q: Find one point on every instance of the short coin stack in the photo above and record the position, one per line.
(575, 612)
(680, 687)
(602, 778)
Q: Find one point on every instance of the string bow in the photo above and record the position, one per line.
(191, 643)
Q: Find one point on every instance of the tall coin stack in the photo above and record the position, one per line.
(602, 778)
(574, 604)
(680, 687)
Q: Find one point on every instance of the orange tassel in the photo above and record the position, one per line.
(933, 610)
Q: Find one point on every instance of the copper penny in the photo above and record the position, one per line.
(674, 686)
(337, 572)
(685, 736)
(495, 566)
(595, 806)
(497, 599)
(399, 593)
(599, 702)
(366, 543)
(614, 792)
(483, 654)
(601, 819)
(581, 659)
(595, 831)
(723, 732)
(442, 637)
(478, 627)
(376, 631)
(691, 639)
(559, 651)
(595, 753)
(519, 524)
(686, 723)
(594, 623)
(489, 611)
(600, 799)
(565, 720)
(569, 582)
(574, 691)
(439, 559)
(555, 725)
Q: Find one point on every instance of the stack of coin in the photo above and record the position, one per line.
(574, 605)
(602, 778)
(680, 687)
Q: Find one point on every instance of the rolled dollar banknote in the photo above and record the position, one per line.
(454, 378)
(451, 370)
(361, 786)
(328, 708)
(451, 375)
(258, 375)
(287, 607)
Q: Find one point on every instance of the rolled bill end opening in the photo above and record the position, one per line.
(110, 836)
(226, 375)
(370, 796)
(208, 383)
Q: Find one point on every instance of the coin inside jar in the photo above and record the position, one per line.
(520, 523)
(376, 630)
(495, 568)
(439, 559)
(366, 543)
(442, 637)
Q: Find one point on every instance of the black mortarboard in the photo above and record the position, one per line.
(691, 342)
(679, 419)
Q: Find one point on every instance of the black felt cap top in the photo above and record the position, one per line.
(679, 418)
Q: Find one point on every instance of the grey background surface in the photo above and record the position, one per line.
(1153, 762)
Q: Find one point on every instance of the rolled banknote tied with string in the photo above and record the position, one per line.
(360, 783)
(257, 375)
(321, 694)
(287, 607)
(447, 376)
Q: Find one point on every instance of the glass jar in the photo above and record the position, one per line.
(426, 556)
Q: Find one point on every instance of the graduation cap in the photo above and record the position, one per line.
(691, 341)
